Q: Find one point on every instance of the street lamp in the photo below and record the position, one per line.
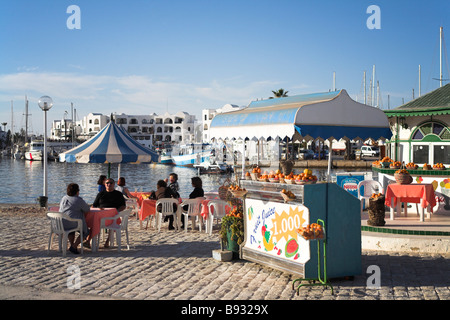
(45, 103)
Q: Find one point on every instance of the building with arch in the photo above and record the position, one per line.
(421, 129)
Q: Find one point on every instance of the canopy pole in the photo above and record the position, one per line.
(243, 160)
(118, 172)
(330, 154)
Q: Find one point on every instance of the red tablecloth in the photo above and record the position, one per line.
(139, 195)
(94, 216)
(411, 193)
(148, 207)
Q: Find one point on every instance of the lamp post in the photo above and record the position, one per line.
(45, 103)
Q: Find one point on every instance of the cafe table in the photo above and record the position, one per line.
(422, 193)
(147, 208)
(140, 196)
(93, 218)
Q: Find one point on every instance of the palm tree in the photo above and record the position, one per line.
(280, 93)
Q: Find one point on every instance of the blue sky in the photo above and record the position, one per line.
(143, 56)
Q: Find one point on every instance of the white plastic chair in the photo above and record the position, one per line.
(216, 210)
(133, 205)
(370, 186)
(166, 210)
(193, 211)
(57, 227)
(118, 228)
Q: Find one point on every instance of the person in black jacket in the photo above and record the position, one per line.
(163, 191)
(197, 192)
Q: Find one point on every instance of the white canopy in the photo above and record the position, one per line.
(324, 115)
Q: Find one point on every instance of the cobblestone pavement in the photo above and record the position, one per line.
(179, 266)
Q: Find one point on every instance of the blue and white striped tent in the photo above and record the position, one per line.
(111, 145)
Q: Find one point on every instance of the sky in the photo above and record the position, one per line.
(154, 56)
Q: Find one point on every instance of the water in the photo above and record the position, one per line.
(22, 181)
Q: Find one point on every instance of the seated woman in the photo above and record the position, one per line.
(101, 183)
(75, 207)
(163, 191)
(121, 187)
(197, 192)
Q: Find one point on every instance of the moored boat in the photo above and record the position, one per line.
(191, 154)
(35, 153)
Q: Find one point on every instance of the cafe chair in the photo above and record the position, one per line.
(166, 207)
(216, 210)
(133, 205)
(193, 212)
(57, 228)
(370, 186)
(116, 228)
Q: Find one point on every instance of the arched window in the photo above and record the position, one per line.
(430, 143)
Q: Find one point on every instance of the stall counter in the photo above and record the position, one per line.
(271, 238)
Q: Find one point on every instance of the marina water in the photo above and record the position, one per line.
(22, 180)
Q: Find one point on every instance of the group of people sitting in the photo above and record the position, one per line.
(111, 196)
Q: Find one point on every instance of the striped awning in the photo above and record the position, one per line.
(111, 145)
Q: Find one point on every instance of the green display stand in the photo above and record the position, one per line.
(321, 279)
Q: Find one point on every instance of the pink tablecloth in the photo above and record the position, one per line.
(148, 207)
(94, 216)
(139, 196)
(411, 193)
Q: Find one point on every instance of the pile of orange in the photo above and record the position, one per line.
(395, 164)
(256, 170)
(235, 187)
(426, 166)
(386, 159)
(311, 231)
(306, 175)
(402, 171)
(376, 195)
(438, 166)
(235, 212)
(411, 165)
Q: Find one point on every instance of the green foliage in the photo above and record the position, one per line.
(235, 225)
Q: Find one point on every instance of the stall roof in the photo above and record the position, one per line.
(318, 115)
(436, 102)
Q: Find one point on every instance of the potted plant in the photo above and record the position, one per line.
(232, 230)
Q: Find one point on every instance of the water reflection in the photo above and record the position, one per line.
(22, 181)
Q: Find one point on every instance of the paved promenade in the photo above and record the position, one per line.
(179, 266)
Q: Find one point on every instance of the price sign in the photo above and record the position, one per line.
(272, 229)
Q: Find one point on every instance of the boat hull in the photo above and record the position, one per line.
(34, 156)
(189, 160)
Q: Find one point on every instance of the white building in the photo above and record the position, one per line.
(148, 130)
(208, 115)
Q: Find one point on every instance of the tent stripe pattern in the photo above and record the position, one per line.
(111, 145)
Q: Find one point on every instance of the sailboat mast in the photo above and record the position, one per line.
(26, 119)
(365, 95)
(12, 124)
(420, 80)
(440, 54)
(373, 86)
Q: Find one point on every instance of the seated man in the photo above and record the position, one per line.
(110, 198)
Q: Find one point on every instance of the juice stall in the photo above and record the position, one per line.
(272, 224)
(271, 228)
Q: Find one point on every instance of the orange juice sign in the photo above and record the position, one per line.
(272, 229)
